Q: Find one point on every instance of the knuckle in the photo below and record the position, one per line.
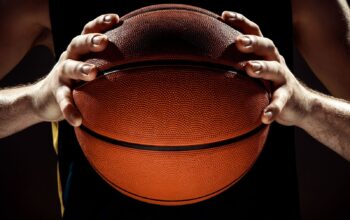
(69, 48)
(66, 106)
(289, 91)
(59, 95)
(254, 40)
(263, 66)
(276, 53)
(63, 103)
(276, 67)
(75, 40)
(255, 26)
(65, 65)
(63, 56)
(276, 108)
(241, 17)
(280, 69)
(270, 45)
(88, 26)
(63, 93)
(117, 17)
(271, 42)
(276, 96)
(73, 44)
(275, 63)
(281, 58)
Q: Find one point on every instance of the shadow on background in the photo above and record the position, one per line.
(28, 187)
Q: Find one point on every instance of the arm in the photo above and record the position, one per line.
(322, 35)
(50, 99)
(17, 109)
(324, 117)
(328, 121)
(23, 25)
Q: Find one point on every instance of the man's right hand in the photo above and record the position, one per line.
(53, 100)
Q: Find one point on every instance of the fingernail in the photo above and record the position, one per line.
(246, 41)
(107, 19)
(232, 15)
(86, 68)
(256, 67)
(76, 119)
(97, 39)
(239, 17)
(268, 114)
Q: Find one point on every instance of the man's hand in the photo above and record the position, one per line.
(50, 99)
(54, 93)
(325, 118)
(289, 100)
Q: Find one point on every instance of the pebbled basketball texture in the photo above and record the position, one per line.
(169, 121)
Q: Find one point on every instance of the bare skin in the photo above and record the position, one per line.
(50, 99)
(325, 118)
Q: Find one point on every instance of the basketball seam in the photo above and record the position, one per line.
(172, 148)
(168, 62)
(177, 63)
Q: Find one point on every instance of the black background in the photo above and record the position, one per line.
(28, 187)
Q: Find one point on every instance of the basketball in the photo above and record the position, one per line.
(170, 120)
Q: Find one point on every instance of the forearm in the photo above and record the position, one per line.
(328, 121)
(17, 109)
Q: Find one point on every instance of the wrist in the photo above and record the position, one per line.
(311, 107)
(31, 94)
(17, 110)
(45, 106)
(36, 93)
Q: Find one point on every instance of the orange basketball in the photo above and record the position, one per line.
(170, 120)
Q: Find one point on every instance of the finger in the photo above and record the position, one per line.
(84, 44)
(268, 70)
(241, 23)
(279, 100)
(260, 46)
(101, 24)
(67, 106)
(77, 70)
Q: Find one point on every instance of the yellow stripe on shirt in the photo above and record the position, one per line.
(54, 126)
